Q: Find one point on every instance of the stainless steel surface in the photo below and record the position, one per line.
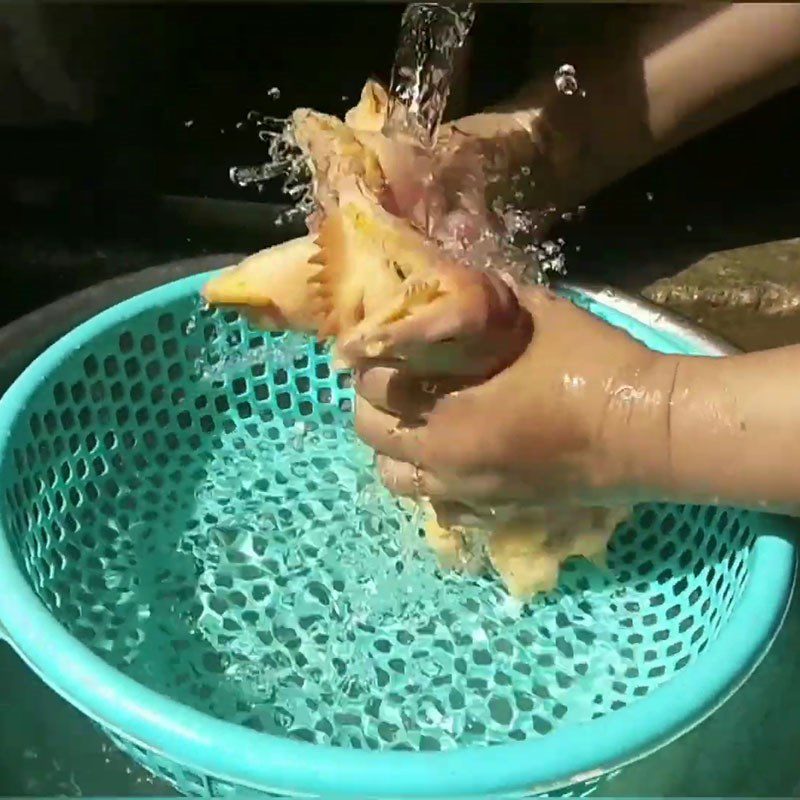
(654, 316)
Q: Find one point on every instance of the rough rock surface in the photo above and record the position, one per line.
(749, 296)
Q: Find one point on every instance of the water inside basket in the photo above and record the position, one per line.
(188, 498)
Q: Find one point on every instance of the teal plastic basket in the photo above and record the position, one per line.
(196, 554)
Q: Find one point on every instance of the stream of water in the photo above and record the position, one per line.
(430, 36)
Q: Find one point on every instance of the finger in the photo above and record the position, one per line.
(398, 393)
(388, 435)
(431, 340)
(465, 335)
(439, 319)
(406, 480)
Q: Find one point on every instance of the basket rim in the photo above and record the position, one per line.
(227, 751)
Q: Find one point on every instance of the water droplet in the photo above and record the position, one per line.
(300, 430)
(525, 171)
(565, 79)
(274, 93)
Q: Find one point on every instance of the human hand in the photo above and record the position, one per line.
(578, 419)
(492, 177)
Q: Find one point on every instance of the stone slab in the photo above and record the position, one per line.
(749, 296)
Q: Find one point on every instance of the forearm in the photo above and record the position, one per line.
(648, 91)
(727, 64)
(729, 430)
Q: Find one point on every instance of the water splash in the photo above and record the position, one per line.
(284, 160)
(328, 620)
(565, 79)
(430, 36)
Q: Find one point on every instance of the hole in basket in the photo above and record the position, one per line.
(126, 342)
(686, 623)
(152, 369)
(78, 392)
(35, 425)
(148, 344)
(680, 586)
(50, 422)
(110, 366)
(132, 367)
(169, 347)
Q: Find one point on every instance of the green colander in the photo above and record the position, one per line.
(195, 552)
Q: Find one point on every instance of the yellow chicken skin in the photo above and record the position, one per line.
(368, 280)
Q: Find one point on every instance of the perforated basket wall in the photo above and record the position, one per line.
(187, 498)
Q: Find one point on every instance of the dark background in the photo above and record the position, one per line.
(82, 194)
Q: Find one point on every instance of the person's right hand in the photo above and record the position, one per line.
(579, 418)
(482, 167)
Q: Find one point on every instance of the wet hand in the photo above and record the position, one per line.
(575, 419)
(480, 166)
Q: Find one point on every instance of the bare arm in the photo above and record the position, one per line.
(732, 430)
(669, 79)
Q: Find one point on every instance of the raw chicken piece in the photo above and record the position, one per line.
(528, 554)
(367, 278)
